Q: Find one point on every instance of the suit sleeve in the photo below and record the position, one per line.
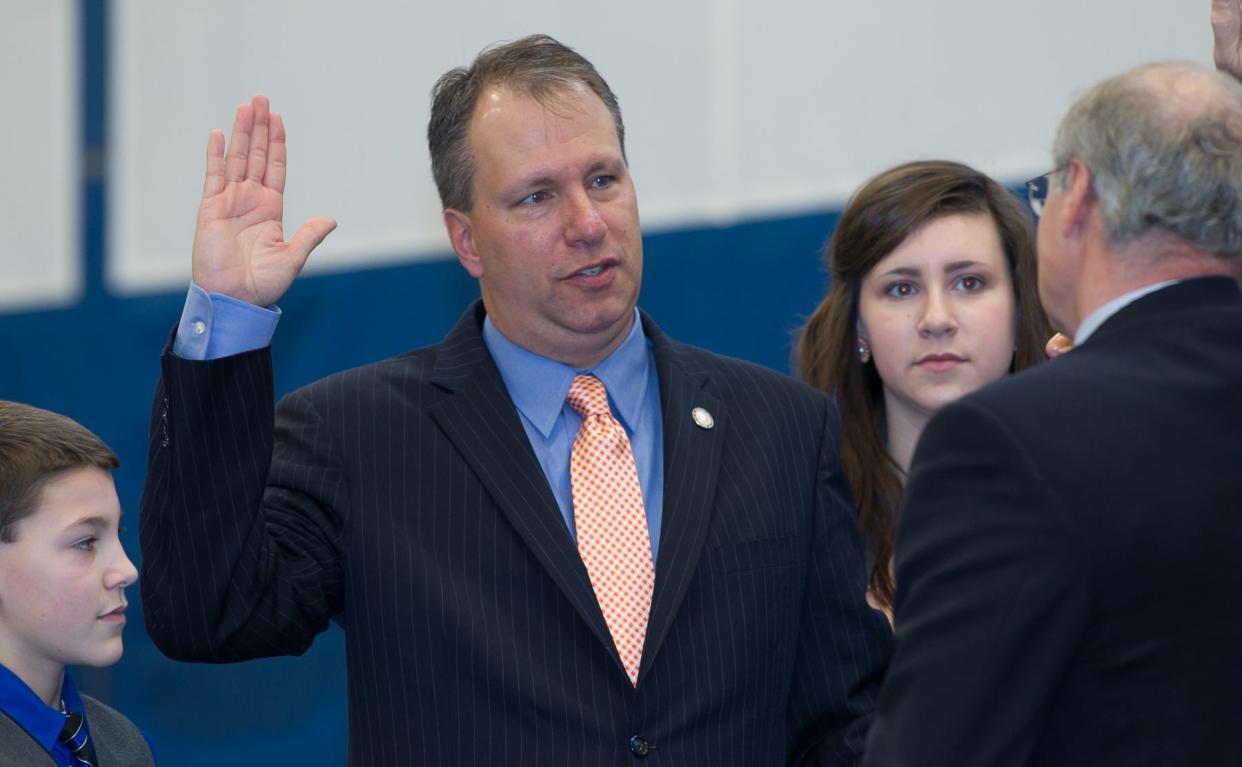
(844, 645)
(991, 601)
(240, 525)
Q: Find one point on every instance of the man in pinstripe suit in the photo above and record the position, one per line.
(424, 501)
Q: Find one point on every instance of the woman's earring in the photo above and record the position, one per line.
(864, 351)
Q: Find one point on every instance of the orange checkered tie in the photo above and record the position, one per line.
(611, 520)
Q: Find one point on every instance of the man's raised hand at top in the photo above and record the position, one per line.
(1227, 29)
(239, 244)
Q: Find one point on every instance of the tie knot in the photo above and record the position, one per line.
(71, 729)
(73, 735)
(588, 396)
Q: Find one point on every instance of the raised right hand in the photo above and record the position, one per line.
(239, 245)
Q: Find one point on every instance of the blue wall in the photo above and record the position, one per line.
(739, 290)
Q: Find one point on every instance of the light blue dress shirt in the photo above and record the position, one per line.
(1095, 319)
(538, 387)
(214, 326)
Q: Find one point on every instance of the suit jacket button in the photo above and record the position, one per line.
(639, 746)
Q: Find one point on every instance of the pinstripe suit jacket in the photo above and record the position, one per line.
(403, 500)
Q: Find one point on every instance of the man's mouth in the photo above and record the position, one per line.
(595, 270)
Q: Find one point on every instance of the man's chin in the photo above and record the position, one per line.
(605, 323)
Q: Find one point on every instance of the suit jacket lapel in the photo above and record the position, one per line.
(691, 465)
(479, 418)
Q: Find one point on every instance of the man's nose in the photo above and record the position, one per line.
(583, 223)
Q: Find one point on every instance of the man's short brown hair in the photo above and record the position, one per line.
(35, 446)
(536, 66)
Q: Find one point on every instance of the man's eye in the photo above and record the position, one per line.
(901, 289)
(603, 182)
(534, 198)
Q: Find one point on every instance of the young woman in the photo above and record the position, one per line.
(933, 296)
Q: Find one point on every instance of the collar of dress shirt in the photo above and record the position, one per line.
(36, 717)
(1095, 319)
(538, 385)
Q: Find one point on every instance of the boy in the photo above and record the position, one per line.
(63, 575)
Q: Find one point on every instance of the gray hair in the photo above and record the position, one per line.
(1164, 147)
(536, 66)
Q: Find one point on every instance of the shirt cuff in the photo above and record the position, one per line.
(214, 325)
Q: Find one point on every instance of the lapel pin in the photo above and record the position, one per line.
(702, 418)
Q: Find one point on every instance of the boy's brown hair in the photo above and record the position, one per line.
(35, 446)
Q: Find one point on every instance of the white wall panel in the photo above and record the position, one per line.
(735, 108)
(39, 205)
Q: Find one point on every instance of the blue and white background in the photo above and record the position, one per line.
(748, 124)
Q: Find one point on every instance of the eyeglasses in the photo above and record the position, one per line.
(1037, 191)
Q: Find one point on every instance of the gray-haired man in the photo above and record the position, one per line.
(1067, 555)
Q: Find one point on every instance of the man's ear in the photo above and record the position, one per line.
(1079, 200)
(461, 236)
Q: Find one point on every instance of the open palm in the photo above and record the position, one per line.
(239, 244)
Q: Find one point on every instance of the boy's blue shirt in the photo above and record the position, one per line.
(42, 721)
